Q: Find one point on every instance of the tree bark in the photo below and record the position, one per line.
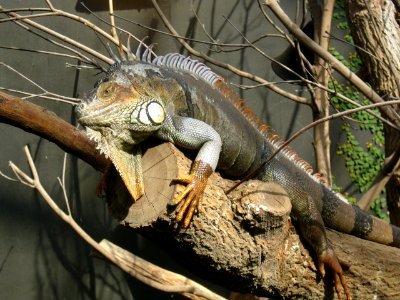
(374, 29)
(246, 241)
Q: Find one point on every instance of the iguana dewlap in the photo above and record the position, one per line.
(178, 99)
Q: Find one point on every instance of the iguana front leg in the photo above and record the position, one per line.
(196, 183)
(193, 134)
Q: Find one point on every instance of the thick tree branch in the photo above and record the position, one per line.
(322, 143)
(37, 120)
(380, 35)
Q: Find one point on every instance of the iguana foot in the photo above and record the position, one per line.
(196, 183)
(329, 258)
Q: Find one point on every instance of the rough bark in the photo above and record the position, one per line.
(374, 28)
(245, 241)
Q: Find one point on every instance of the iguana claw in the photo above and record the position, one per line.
(329, 258)
(196, 183)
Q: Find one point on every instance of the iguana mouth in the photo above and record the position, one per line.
(94, 117)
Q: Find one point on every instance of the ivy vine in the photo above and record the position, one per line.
(363, 161)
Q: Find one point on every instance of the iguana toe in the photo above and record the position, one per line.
(196, 184)
(328, 258)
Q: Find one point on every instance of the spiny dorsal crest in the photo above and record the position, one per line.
(177, 61)
(186, 63)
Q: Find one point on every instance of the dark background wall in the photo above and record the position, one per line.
(40, 257)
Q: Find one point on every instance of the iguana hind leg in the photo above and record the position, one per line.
(329, 259)
(313, 230)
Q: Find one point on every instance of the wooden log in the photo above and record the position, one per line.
(159, 169)
(245, 241)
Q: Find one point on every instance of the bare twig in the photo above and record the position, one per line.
(29, 95)
(50, 4)
(62, 183)
(56, 12)
(217, 44)
(17, 18)
(112, 19)
(68, 40)
(203, 27)
(42, 52)
(29, 9)
(262, 53)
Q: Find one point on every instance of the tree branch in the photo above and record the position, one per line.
(37, 120)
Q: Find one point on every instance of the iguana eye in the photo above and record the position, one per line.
(106, 90)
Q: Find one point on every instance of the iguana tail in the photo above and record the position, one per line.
(339, 215)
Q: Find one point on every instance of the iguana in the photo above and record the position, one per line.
(181, 100)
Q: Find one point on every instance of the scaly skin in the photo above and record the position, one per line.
(183, 105)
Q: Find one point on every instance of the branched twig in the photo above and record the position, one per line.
(218, 44)
(137, 267)
(45, 94)
(58, 12)
(64, 38)
(262, 53)
(62, 183)
(224, 65)
(42, 52)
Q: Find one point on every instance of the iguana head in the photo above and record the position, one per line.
(120, 112)
(122, 108)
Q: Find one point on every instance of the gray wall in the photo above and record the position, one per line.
(40, 257)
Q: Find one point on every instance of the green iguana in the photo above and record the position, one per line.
(179, 99)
